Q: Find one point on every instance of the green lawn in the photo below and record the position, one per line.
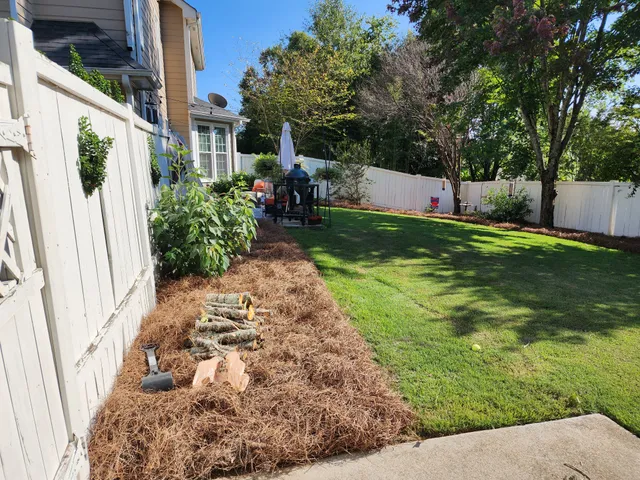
(558, 321)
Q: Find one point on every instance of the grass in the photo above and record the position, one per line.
(558, 321)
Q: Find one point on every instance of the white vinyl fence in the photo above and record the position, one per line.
(76, 273)
(387, 189)
(602, 207)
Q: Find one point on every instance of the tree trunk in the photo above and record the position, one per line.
(455, 188)
(548, 196)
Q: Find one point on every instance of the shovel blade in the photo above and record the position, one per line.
(158, 382)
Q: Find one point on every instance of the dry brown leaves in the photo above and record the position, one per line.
(627, 244)
(314, 390)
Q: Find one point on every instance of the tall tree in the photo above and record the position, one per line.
(338, 49)
(549, 54)
(409, 86)
(309, 88)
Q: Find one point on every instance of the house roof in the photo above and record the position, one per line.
(203, 109)
(97, 49)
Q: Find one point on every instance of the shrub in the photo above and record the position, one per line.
(156, 173)
(354, 161)
(196, 233)
(243, 180)
(267, 166)
(508, 209)
(92, 156)
(111, 88)
(240, 180)
(322, 174)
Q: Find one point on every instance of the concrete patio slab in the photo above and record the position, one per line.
(592, 447)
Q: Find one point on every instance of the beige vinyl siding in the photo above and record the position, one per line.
(23, 7)
(107, 14)
(152, 54)
(25, 12)
(175, 68)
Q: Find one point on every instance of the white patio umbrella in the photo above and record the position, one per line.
(287, 152)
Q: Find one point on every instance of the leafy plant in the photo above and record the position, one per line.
(156, 173)
(323, 174)
(507, 208)
(241, 180)
(111, 88)
(92, 156)
(195, 232)
(267, 166)
(354, 161)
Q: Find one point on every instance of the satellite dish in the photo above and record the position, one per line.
(218, 100)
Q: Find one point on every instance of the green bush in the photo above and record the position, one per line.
(156, 173)
(241, 180)
(267, 166)
(354, 162)
(111, 88)
(92, 156)
(507, 208)
(196, 233)
(322, 174)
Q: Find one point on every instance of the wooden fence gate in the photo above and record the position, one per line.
(76, 272)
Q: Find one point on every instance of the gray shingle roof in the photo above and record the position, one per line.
(202, 108)
(97, 49)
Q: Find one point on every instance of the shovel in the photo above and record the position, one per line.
(156, 381)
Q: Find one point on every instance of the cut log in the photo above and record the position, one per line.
(236, 337)
(246, 300)
(222, 326)
(216, 318)
(224, 305)
(212, 345)
(232, 313)
(232, 298)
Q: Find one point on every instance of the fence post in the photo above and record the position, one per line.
(614, 209)
(16, 49)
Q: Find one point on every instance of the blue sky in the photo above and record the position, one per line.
(234, 30)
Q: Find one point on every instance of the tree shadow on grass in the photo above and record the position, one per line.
(559, 290)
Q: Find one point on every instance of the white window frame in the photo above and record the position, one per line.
(214, 166)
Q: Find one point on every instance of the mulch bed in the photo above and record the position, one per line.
(627, 244)
(314, 390)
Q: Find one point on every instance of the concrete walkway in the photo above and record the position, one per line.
(584, 448)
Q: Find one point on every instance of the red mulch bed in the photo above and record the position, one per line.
(626, 244)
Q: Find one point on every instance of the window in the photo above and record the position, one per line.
(204, 150)
(213, 145)
(221, 151)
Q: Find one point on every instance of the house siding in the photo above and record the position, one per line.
(175, 68)
(25, 12)
(152, 53)
(107, 14)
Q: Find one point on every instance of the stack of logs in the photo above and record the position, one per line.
(228, 322)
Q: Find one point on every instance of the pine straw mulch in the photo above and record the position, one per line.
(314, 390)
(627, 244)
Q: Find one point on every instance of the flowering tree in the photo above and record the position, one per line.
(549, 55)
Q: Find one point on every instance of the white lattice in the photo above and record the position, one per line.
(10, 273)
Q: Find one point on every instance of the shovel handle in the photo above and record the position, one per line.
(150, 350)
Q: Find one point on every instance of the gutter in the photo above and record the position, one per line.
(131, 73)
